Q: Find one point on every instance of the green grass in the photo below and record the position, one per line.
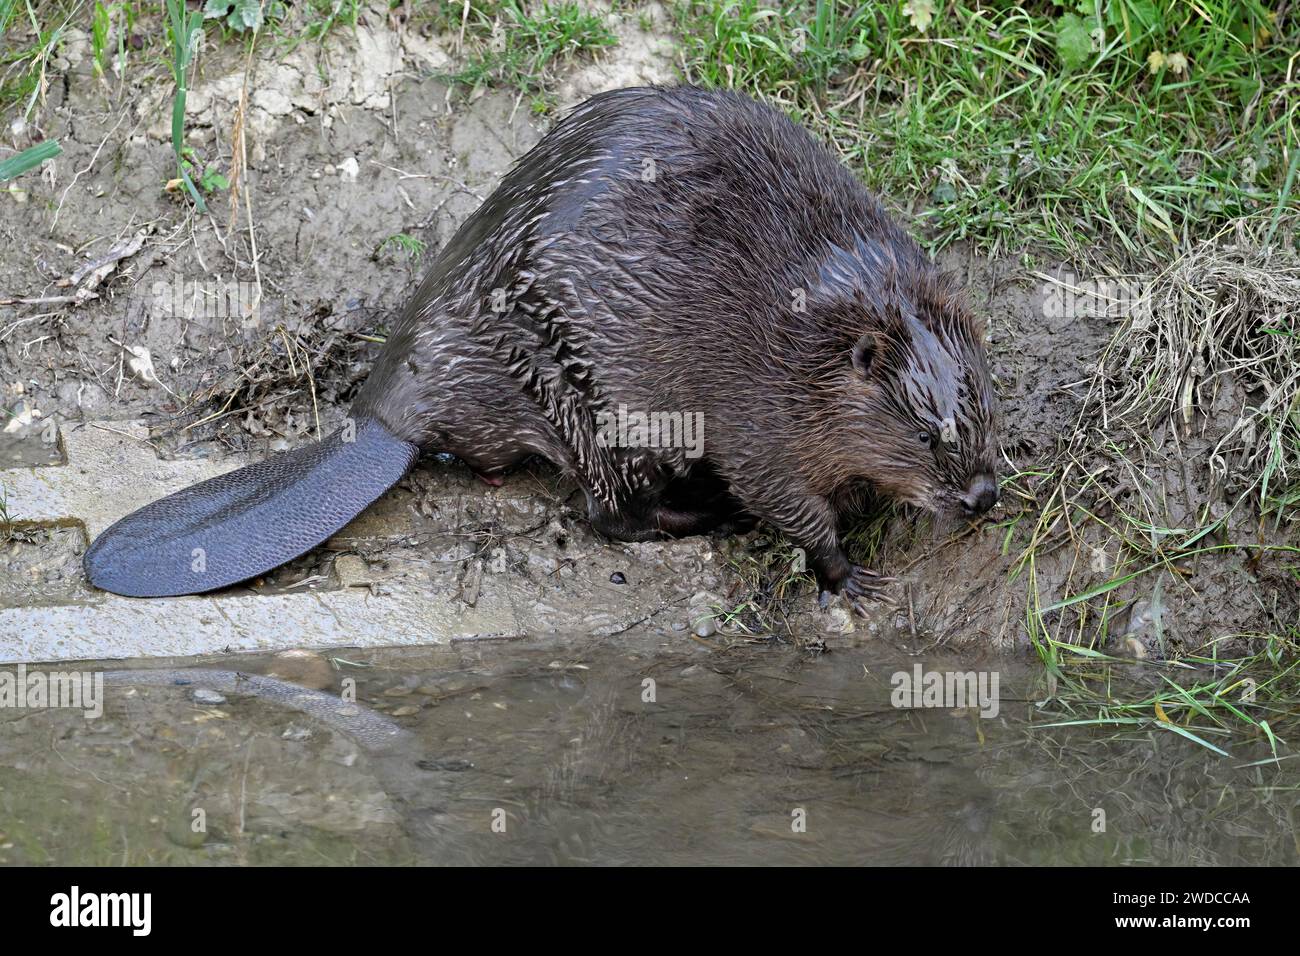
(325, 15)
(182, 31)
(100, 25)
(1255, 699)
(409, 246)
(9, 10)
(1217, 701)
(1214, 701)
(993, 135)
(28, 159)
(23, 67)
(517, 44)
(1068, 514)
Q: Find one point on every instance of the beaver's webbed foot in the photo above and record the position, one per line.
(860, 587)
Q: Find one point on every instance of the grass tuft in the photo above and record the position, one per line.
(996, 130)
(519, 45)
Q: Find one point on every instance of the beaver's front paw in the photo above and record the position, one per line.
(860, 587)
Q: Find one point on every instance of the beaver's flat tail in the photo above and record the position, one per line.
(242, 524)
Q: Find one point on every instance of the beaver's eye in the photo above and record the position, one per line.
(925, 438)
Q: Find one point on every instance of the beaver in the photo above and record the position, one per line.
(671, 252)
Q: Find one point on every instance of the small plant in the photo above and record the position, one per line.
(185, 30)
(26, 75)
(408, 244)
(333, 12)
(8, 10)
(100, 24)
(6, 519)
(111, 28)
(207, 176)
(212, 180)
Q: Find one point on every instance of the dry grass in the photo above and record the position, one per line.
(1214, 349)
(1177, 486)
(274, 386)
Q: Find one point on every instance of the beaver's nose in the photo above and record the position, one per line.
(981, 495)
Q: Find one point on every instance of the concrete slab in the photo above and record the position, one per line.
(438, 585)
(110, 470)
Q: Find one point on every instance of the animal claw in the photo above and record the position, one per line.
(864, 587)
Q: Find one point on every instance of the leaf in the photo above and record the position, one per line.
(240, 15)
(29, 159)
(1134, 18)
(1183, 732)
(249, 13)
(213, 180)
(1073, 42)
(199, 204)
(141, 364)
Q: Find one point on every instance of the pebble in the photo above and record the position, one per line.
(706, 627)
(1135, 648)
(205, 695)
(700, 615)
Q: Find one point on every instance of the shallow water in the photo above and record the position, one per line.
(565, 754)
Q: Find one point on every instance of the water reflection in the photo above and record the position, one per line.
(618, 752)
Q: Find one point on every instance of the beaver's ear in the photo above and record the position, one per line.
(886, 339)
(864, 353)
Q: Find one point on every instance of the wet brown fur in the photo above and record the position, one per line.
(684, 250)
